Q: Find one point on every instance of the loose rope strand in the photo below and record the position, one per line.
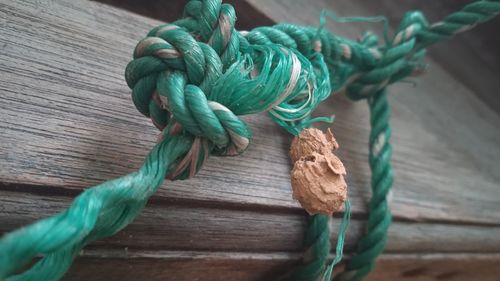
(196, 76)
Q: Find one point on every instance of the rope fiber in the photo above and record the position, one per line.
(196, 76)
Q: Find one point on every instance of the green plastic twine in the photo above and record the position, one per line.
(317, 241)
(339, 249)
(194, 77)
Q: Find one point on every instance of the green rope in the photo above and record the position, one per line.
(398, 61)
(379, 218)
(96, 213)
(194, 77)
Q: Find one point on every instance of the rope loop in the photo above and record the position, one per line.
(171, 76)
(195, 76)
(213, 23)
(194, 73)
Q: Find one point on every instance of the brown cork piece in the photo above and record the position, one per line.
(312, 140)
(317, 175)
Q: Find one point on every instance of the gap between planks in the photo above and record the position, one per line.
(270, 266)
(179, 255)
(197, 227)
(158, 201)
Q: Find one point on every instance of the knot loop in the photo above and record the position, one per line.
(213, 22)
(193, 78)
(193, 73)
(171, 76)
(200, 117)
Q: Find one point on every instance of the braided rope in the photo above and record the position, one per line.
(379, 218)
(194, 77)
(96, 213)
(463, 20)
(399, 60)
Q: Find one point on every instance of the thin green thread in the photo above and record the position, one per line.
(339, 249)
(194, 90)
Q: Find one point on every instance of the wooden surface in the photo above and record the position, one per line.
(217, 266)
(68, 122)
(474, 54)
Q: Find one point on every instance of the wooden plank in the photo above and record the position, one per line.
(249, 266)
(97, 265)
(436, 267)
(454, 160)
(68, 122)
(471, 57)
(167, 226)
(170, 11)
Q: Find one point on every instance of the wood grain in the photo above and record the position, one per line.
(68, 123)
(165, 226)
(471, 57)
(474, 59)
(244, 266)
(445, 139)
(248, 18)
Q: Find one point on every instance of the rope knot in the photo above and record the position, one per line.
(194, 74)
(213, 22)
(171, 76)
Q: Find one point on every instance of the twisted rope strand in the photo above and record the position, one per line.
(379, 218)
(173, 77)
(195, 76)
(98, 212)
(388, 64)
(471, 15)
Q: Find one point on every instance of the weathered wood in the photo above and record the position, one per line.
(169, 11)
(173, 226)
(248, 266)
(445, 139)
(68, 122)
(471, 57)
(436, 267)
